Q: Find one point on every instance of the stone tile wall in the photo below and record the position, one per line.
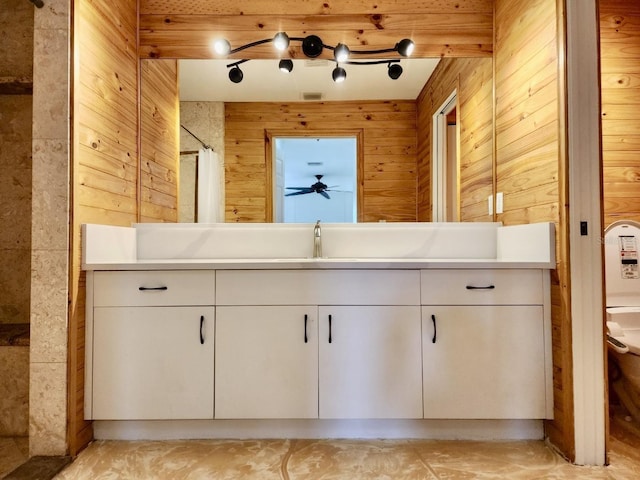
(50, 230)
(16, 65)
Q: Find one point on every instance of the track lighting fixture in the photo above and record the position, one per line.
(312, 47)
(394, 70)
(339, 74)
(285, 65)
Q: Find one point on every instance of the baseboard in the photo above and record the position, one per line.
(365, 429)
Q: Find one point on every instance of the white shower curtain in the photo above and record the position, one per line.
(210, 178)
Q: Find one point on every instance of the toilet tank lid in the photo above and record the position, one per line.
(621, 310)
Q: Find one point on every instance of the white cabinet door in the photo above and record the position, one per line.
(266, 362)
(483, 362)
(370, 362)
(153, 363)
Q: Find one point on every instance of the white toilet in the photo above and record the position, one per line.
(622, 270)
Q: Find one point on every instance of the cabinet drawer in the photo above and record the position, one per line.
(318, 287)
(481, 287)
(154, 288)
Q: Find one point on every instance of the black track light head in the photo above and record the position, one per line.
(285, 65)
(394, 70)
(222, 46)
(312, 46)
(405, 47)
(341, 52)
(235, 74)
(339, 74)
(281, 41)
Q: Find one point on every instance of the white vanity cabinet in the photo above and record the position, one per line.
(152, 345)
(370, 369)
(266, 362)
(370, 362)
(484, 344)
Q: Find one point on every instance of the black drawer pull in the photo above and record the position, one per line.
(488, 287)
(433, 319)
(306, 339)
(329, 328)
(201, 332)
(145, 289)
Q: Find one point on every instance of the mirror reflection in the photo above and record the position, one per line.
(204, 83)
(393, 118)
(315, 179)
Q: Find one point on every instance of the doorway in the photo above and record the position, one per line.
(315, 177)
(445, 174)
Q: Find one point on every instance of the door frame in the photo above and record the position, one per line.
(586, 247)
(439, 155)
(271, 134)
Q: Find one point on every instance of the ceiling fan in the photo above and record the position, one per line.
(319, 187)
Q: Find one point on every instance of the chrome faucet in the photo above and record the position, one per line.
(317, 241)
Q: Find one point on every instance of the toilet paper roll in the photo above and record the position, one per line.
(615, 330)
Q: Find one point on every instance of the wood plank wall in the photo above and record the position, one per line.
(185, 29)
(620, 50)
(531, 162)
(160, 140)
(106, 167)
(473, 80)
(104, 158)
(389, 168)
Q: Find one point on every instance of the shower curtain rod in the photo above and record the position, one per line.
(204, 145)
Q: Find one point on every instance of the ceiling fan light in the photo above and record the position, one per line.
(341, 52)
(222, 46)
(285, 65)
(394, 70)
(312, 46)
(339, 74)
(281, 41)
(236, 75)
(405, 47)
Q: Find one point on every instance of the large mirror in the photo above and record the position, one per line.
(238, 120)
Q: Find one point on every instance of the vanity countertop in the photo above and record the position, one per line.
(313, 263)
(344, 246)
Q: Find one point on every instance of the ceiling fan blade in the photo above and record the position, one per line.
(298, 188)
(301, 192)
(324, 194)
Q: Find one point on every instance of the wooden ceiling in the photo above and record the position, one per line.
(186, 28)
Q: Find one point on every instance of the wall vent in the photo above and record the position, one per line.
(321, 62)
(312, 96)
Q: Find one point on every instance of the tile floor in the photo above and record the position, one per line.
(345, 459)
(336, 459)
(14, 451)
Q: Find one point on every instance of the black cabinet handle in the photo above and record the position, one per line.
(488, 287)
(433, 319)
(306, 339)
(201, 332)
(145, 289)
(329, 328)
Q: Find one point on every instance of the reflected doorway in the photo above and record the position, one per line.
(315, 178)
(445, 173)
